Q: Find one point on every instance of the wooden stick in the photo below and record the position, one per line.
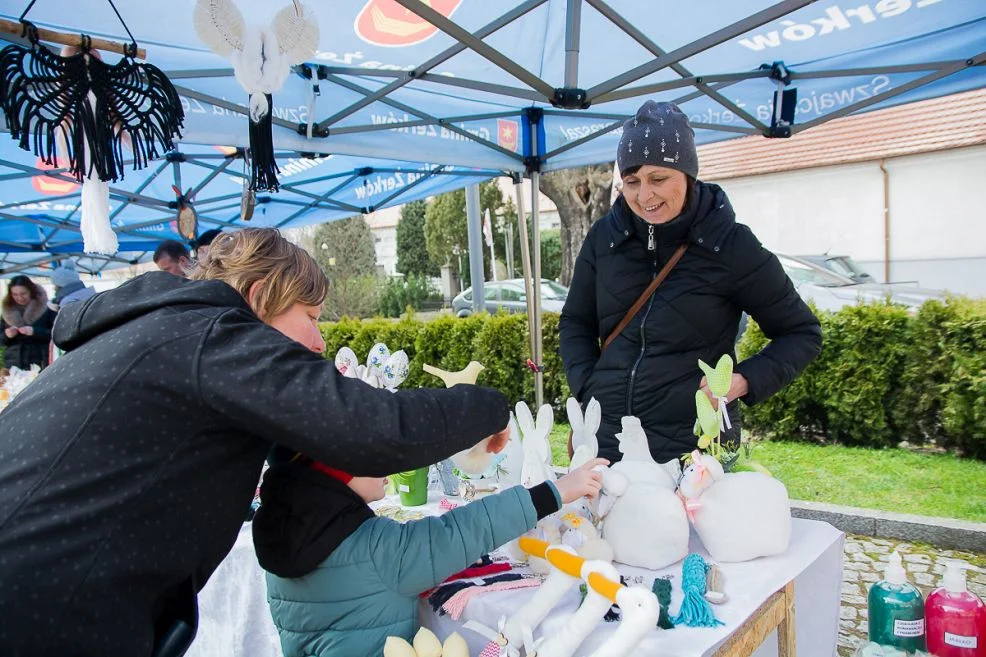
(16, 28)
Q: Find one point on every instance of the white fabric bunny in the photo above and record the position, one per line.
(739, 516)
(537, 450)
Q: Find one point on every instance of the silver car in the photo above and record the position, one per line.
(511, 296)
(832, 291)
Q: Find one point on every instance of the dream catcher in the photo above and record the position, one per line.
(187, 219)
(262, 58)
(89, 110)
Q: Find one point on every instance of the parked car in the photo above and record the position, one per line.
(831, 291)
(511, 296)
(840, 264)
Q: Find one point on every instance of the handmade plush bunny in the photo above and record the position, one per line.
(382, 369)
(739, 516)
(536, 469)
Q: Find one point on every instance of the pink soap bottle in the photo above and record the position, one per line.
(956, 618)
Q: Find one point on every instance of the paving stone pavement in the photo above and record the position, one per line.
(865, 561)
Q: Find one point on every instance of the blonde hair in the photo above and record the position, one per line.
(287, 273)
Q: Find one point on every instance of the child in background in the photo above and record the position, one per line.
(341, 580)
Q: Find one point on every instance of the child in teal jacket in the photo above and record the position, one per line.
(341, 580)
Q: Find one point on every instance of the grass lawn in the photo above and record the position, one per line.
(891, 480)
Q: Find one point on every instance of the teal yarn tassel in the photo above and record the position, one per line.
(695, 609)
(662, 589)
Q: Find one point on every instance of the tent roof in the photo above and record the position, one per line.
(487, 87)
(929, 125)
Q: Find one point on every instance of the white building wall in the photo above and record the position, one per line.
(937, 213)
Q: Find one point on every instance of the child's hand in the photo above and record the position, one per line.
(582, 482)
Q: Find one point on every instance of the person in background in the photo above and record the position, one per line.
(129, 464)
(26, 324)
(172, 256)
(69, 288)
(650, 368)
(204, 241)
(335, 584)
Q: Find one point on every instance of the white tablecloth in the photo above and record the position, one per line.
(235, 621)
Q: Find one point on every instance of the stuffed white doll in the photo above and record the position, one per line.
(739, 516)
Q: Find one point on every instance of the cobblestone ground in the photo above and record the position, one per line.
(864, 563)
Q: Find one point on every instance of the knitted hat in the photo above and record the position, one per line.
(658, 135)
(64, 276)
(344, 477)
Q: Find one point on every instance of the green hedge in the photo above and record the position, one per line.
(885, 376)
(500, 342)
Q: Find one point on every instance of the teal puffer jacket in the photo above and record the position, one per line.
(366, 590)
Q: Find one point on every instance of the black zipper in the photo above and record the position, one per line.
(643, 347)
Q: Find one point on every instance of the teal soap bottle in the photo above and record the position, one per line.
(896, 610)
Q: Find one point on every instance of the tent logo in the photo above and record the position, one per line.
(506, 133)
(386, 23)
(51, 186)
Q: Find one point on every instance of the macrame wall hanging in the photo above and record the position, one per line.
(74, 110)
(262, 58)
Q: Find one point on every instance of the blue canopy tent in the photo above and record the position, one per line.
(535, 86)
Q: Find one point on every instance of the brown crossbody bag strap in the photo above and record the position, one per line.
(639, 303)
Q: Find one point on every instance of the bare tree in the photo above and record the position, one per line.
(582, 196)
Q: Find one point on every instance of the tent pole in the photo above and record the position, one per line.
(474, 229)
(525, 259)
(536, 276)
(573, 27)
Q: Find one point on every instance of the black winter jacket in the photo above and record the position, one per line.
(128, 466)
(651, 370)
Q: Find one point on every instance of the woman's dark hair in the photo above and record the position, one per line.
(21, 281)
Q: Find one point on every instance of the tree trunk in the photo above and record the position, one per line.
(582, 196)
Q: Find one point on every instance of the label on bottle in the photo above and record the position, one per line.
(908, 628)
(404, 488)
(960, 641)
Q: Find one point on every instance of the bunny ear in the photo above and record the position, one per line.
(396, 370)
(524, 419)
(574, 414)
(377, 359)
(593, 417)
(708, 418)
(545, 419)
(346, 362)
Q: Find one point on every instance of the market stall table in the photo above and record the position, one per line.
(235, 621)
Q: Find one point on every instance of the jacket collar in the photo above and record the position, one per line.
(706, 221)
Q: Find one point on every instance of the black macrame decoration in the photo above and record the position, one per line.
(263, 167)
(92, 104)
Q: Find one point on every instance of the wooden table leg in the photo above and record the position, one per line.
(776, 613)
(786, 636)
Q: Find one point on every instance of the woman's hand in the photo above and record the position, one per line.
(26, 330)
(498, 441)
(11, 331)
(581, 482)
(737, 388)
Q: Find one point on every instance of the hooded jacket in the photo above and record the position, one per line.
(346, 580)
(128, 466)
(651, 369)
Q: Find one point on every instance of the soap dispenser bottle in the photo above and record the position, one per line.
(896, 610)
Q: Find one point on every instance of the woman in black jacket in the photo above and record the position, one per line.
(650, 369)
(127, 467)
(26, 323)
